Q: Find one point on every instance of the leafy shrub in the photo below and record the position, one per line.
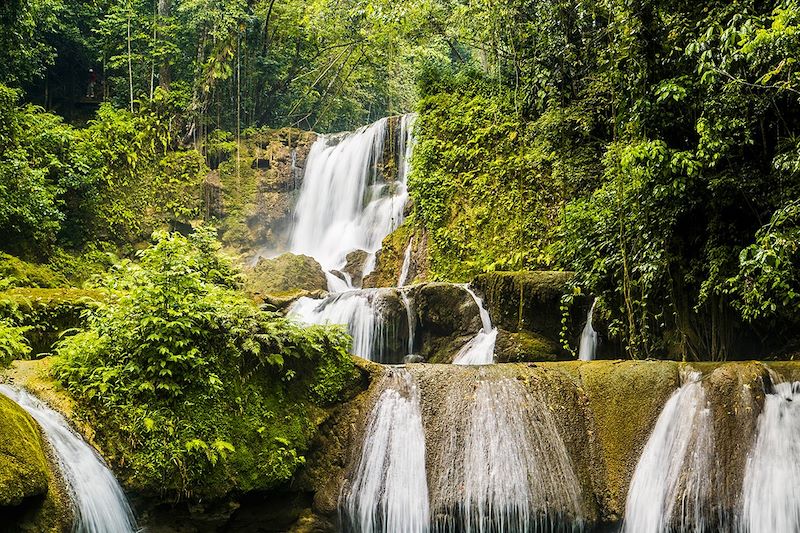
(191, 387)
(13, 344)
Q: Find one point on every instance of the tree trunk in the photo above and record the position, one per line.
(165, 69)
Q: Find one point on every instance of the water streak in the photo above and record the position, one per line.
(673, 484)
(771, 493)
(100, 504)
(377, 327)
(406, 267)
(480, 349)
(389, 491)
(588, 346)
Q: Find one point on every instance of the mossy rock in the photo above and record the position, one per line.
(531, 301)
(49, 312)
(522, 346)
(285, 275)
(15, 272)
(30, 496)
(625, 399)
(389, 259)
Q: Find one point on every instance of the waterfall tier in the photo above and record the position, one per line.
(99, 502)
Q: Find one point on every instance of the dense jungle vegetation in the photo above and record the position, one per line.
(651, 146)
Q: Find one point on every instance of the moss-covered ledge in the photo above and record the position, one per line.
(31, 495)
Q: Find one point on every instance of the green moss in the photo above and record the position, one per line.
(48, 313)
(525, 346)
(285, 276)
(28, 486)
(625, 398)
(389, 261)
(15, 272)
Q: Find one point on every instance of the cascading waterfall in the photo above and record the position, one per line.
(506, 469)
(99, 502)
(588, 346)
(345, 203)
(673, 484)
(480, 349)
(378, 334)
(389, 491)
(412, 320)
(771, 492)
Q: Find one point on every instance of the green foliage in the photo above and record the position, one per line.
(193, 389)
(13, 344)
(15, 272)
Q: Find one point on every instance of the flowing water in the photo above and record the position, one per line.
(480, 349)
(389, 491)
(346, 203)
(672, 486)
(588, 346)
(99, 502)
(502, 465)
(771, 493)
(406, 266)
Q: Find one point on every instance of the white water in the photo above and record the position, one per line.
(406, 267)
(377, 336)
(480, 349)
(588, 346)
(100, 504)
(344, 203)
(509, 470)
(412, 320)
(389, 492)
(771, 493)
(673, 481)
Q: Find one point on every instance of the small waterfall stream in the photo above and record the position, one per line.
(588, 345)
(480, 349)
(389, 491)
(771, 492)
(673, 483)
(100, 504)
(406, 266)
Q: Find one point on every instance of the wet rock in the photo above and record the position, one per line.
(285, 275)
(356, 261)
(523, 346)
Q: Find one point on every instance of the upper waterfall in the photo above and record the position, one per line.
(100, 504)
(354, 194)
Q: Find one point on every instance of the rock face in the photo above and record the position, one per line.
(526, 306)
(356, 261)
(389, 259)
(254, 196)
(31, 498)
(446, 318)
(286, 275)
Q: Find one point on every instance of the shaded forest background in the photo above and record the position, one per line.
(651, 146)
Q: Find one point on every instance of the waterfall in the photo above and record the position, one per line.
(345, 202)
(588, 346)
(404, 269)
(505, 467)
(389, 491)
(480, 349)
(100, 504)
(412, 320)
(673, 480)
(375, 319)
(771, 492)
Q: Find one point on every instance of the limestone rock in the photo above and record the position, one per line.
(285, 275)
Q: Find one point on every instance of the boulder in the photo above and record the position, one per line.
(31, 498)
(356, 261)
(522, 346)
(285, 275)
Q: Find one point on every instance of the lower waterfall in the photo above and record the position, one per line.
(771, 493)
(99, 502)
(503, 467)
(389, 492)
(588, 345)
(480, 349)
(672, 485)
